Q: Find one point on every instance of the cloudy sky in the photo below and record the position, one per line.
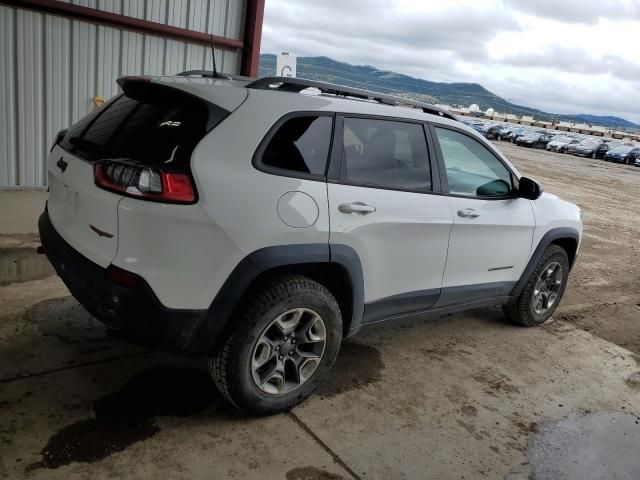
(562, 56)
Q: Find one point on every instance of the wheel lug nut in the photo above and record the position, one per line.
(281, 357)
(291, 353)
(293, 340)
(277, 348)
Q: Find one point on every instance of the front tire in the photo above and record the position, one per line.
(285, 339)
(544, 289)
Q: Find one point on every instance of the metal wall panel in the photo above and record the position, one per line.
(177, 11)
(195, 57)
(52, 67)
(175, 56)
(113, 6)
(108, 65)
(133, 8)
(131, 55)
(83, 73)
(198, 12)
(234, 18)
(57, 75)
(8, 112)
(29, 94)
(219, 17)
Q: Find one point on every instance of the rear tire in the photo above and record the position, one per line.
(286, 337)
(544, 289)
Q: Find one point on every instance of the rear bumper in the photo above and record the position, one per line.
(136, 312)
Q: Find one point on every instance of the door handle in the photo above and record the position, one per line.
(468, 213)
(356, 207)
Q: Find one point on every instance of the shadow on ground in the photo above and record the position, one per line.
(128, 415)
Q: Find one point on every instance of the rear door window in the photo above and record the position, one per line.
(300, 145)
(386, 154)
(150, 126)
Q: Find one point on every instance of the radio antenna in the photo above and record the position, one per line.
(213, 55)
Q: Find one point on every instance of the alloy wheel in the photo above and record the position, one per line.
(547, 289)
(288, 351)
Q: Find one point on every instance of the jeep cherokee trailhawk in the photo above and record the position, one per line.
(258, 223)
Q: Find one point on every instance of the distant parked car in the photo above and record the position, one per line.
(516, 134)
(588, 148)
(559, 143)
(534, 140)
(497, 132)
(629, 154)
(480, 127)
(617, 144)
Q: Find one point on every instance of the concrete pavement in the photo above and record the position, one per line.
(458, 397)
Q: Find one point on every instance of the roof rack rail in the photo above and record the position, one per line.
(296, 85)
(211, 74)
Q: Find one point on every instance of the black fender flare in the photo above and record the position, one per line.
(265, 259)
(560, 233)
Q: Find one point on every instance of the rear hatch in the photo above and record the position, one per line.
(149, 130)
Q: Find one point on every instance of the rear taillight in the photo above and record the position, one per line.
(122, 277)
(143, 182)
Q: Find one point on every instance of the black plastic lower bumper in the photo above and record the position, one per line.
(136, 312)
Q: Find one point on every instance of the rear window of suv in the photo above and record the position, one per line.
(149, 124)
(300, 145)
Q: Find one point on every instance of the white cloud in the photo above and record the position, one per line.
(567, 56)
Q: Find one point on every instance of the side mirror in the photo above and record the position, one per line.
(529, 189)
(496, 188)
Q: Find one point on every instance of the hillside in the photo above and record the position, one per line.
(465, 94)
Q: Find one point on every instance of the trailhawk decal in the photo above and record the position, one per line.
(493, 269)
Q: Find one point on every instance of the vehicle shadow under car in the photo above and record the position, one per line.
(151, 385)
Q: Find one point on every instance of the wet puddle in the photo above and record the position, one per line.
(18, 265)
(127, 416)
(587, 446)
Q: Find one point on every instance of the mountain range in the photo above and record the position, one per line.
(464, 94)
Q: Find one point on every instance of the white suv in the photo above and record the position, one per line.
(261, 223)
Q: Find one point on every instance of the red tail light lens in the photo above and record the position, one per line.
(143, 182)
(122, 277)
(178, 187)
